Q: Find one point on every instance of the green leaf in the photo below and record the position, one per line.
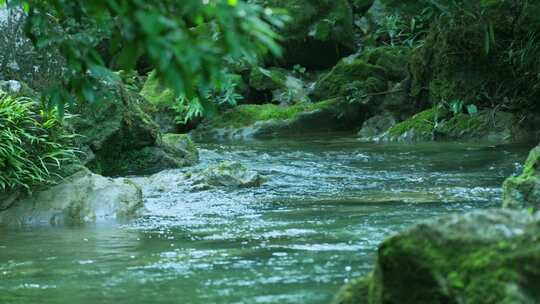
(472, 109)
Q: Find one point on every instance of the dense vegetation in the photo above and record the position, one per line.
(128, 76)
(33, 144)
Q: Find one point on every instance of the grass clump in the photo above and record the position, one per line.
(33, 144)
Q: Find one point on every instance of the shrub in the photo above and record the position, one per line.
(33, 144)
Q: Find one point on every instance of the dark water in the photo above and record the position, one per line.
(315, 224)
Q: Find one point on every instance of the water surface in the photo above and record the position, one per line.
(329, 201)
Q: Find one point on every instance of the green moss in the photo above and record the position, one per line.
(354, 292)
(156, 93)
(424, 265)
(246, 115)
(334, 83)
(523, 191)
(394, 59)
(267, 79)
(422, 123)
(463, 123)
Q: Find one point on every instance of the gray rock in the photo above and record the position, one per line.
(226, 174)
(80, 199)
(181, 146)
(376, 126)
(11, 86)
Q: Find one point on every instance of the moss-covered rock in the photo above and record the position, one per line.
(268, 120)
(181, 146)
(420, 127)
(319, 32)
(480, 257)
(438, 124)
(523, 191)
(121, 138)
(355, 292)
(368, 78)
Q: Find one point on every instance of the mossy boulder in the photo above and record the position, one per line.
(419, 127)
(120, 138)
(366, 77)
(269, 120)
(439, 124)
(319, 32)
(81, 198)
(480, 257)
(354, 292)
(523, 191)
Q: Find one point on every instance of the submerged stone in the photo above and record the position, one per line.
(80, 199)
(480, 257)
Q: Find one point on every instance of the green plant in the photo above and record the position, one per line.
(184, 40)
(298, 69)
(33, 144)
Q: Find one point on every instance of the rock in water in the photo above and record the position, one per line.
(82, 198)
(227, 174)
(181, 146)
(523, 191)
(480, 257)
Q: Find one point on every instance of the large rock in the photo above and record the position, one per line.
(480, 257)
(319, 33)
(439, 124)
(268, 120)
(523, 191)
(120, 137)
(81, 198)
(350, 73)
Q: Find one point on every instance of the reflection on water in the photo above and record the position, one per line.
(317, 222)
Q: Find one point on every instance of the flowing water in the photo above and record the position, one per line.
(315, 224)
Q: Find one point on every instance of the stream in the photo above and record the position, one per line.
(315, 224)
